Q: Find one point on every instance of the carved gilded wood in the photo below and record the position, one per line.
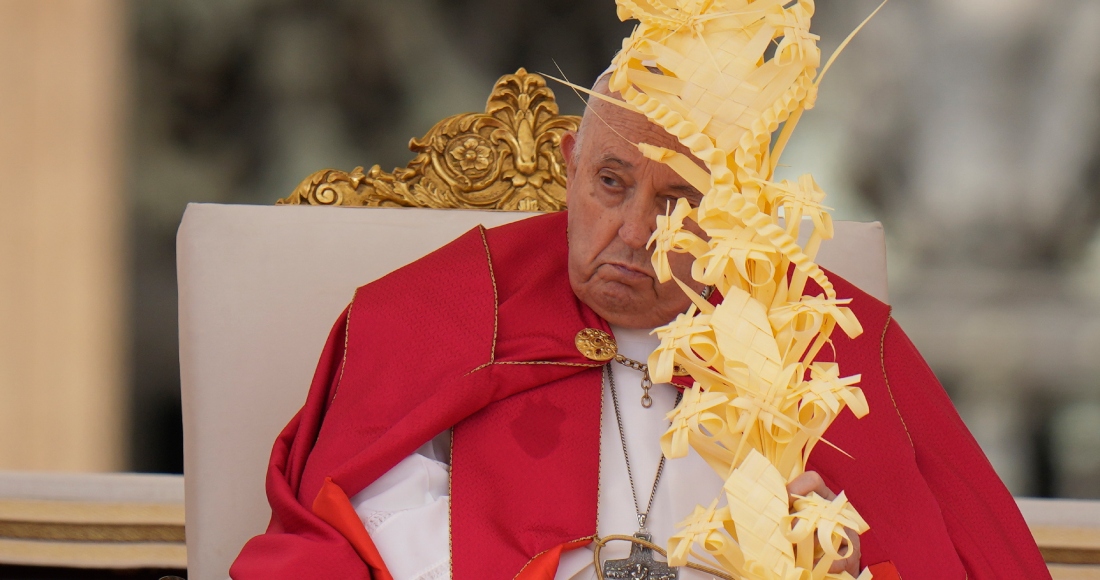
(506, 158)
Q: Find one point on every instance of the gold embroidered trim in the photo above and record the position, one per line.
(533, 558)
(535, 362)
(599, 460)
(478, 368)
(91, 532)
(347, 334)
(546, 362)
(886, 378)
(496, 302)
(496, 296)
(451, 507)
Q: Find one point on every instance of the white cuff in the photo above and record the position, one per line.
(407, 514)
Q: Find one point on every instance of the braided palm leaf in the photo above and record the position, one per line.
(723, 76)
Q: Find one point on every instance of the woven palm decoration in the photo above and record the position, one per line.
(723, 76)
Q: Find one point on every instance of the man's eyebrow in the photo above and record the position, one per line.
(687, 190)
(615, 161)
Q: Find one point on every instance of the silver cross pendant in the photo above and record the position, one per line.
(640, 565)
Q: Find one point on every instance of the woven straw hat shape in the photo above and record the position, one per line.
(701, 70)
(713, 67)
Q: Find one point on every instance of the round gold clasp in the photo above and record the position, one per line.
(596, 344)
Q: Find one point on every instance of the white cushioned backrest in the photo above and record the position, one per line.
(260, 288)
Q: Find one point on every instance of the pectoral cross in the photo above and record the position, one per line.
(640, 565)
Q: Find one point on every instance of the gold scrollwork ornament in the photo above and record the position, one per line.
(506, 158)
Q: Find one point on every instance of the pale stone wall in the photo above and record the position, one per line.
(62, 400)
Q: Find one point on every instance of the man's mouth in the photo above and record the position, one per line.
(628, 273)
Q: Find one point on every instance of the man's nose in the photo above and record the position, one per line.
(639, 220)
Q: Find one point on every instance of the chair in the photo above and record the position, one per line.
(260, 287)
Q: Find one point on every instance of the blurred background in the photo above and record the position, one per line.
(970, 129)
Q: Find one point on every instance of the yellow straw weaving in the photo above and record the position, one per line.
(723, 77)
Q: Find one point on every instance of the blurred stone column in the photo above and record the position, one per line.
(62, 375)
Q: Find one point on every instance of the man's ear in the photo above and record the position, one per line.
(568, 150)
(568, 147)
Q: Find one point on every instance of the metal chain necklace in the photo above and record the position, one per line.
(647, 383)
(643, 368)
(640, 564)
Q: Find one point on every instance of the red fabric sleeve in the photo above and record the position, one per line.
(298, 544)
(333, 506)
(984, 523)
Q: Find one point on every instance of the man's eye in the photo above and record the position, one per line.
(609, 181)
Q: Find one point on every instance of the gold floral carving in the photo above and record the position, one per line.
(506, 158)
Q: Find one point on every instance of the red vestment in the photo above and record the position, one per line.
(479, 336)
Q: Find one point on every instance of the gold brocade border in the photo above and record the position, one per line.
(496, 295)
(344, 356)
(450, 505)
(91, 532)
(96, 555)
(81, 521)
(550, 362)
(886, 378)
(1052, 555)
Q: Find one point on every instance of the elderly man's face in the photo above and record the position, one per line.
(614, 195)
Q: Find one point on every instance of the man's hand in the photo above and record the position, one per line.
(812, 482)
